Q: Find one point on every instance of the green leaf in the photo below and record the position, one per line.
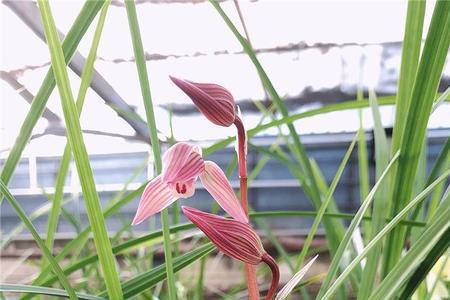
(347, 105)
(351, 229)
(324, 205)
(426, 265)
(80, 240)
(86, 79)
(380, 204)
(309, 184)
(145, 89)
(32, 289)
(74, 134)
(70, 43)
(373, 242)
(422, 98)
(412, 41)
(148, 279)
(45, 251)
(426, 244)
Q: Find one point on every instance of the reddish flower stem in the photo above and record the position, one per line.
(252, 285)
(275, 275)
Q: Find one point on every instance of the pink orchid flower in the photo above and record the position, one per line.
(182, 165)
(236, 239)
(213, 100)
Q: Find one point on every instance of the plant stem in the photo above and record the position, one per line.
(275, 275)
(250, 272)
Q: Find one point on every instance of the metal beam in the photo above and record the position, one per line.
(51, 117)
(28, 12)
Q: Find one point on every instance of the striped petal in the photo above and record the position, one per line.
(215, 181)
(191, 169)
(175, 159)
(157, 196)
(214, 101)
(232, 237)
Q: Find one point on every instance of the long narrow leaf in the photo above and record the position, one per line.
(32, 289)
(147, 280)
(422, 98)
(351, 229)
(46, 252)
(325, 203)
(86, 78)
(145, 89)
(373, 242)
(380, 204)
(74, 134)
(437, 229)
(412, 41)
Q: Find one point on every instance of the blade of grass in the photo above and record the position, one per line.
(422, 98)
(442, 162)
(439, 275)
(76, 244)
(37, 213)
(295, 117)
(74, 134)
(380, 204)
(425, 266)
(386, 229)
(145, 89)
(86, 78)
(70, 43)
(147, 280)
(363, 159)
(298, 146)
(45, 251)
(32, 289)
(349, 233)
(438, 228)
(412, 41)
(133, 243)
(325, 203)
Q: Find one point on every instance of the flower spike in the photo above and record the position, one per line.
(214, 101)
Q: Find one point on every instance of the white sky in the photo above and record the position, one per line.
(187, 29)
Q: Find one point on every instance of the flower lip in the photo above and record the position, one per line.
(213, 100)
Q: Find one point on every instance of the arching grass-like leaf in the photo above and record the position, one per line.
(76, 141)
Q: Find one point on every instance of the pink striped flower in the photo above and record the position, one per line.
(213, 100)
(236, 239)
(183, 164)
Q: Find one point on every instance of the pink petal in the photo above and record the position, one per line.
(181, 162)
(182, 189)
(155, 198)
(214, 101)
(232, 237)
(191, 169)
(218, 186)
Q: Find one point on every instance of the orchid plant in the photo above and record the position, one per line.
(183, 164)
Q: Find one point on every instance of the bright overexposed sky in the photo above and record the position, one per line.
(200, 47)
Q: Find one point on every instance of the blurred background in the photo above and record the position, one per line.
(316, 53)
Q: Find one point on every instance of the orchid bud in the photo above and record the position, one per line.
(212, 100)
(232, 237)
(235, 239)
